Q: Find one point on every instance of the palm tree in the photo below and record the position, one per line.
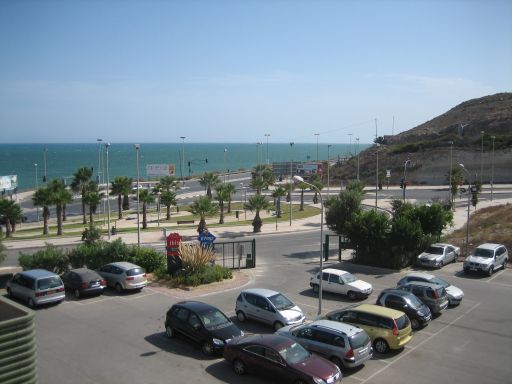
(258, 184)
(59, 197)
(231, 190)
(146, 198)
(168, 198)
(316, 180)
(79, 183)
(121, 186)
(12, 214)
(168, 183)
(279, 192)
(203, 207)
(92, 198)
(209, 180)
(264, 172)
(222, 196)
(302, 186)
(42, 198)
(257, 203)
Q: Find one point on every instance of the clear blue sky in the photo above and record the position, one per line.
(231, 71)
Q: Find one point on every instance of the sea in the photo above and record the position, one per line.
(32, 162)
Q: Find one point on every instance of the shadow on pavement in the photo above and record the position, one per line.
(177, 345)
(223, 371)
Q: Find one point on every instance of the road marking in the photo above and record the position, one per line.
(420, 344)
(354, 377)
(495, 276)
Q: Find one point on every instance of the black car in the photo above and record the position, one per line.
(201, 323)
(404, 301)
(83, 281)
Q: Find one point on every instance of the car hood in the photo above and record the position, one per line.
(292, 313)
(226, 333)
(317, 366)
(360, 285)
(429, 256)
(479, 260)
(454, 291)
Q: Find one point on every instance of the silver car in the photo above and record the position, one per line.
(455, 294)
(124, 276)
(438, 255)
(36, 287)
(268, 307)
(345, 345)
(487, 258)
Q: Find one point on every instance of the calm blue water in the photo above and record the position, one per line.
(62, 160)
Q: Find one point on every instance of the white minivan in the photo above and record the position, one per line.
(36, 287)
(338, 281)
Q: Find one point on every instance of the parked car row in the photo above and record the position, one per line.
(39, 286)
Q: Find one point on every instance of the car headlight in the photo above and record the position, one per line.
(218, 342)
(318, 380)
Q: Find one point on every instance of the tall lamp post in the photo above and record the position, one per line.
(159, 193)
(482, 160)
(357, 150)
(267, 135)
(451, 167)
(225, 168)
(37, 187)
(469, 203)
(182, 165)
(137, 148)
(405, 178)
(350, 145)
(328, 166)
(243, 192)
(492, 167)
(107, 145)
(377, 178)
(100, 148)
(291, 179)
(317, 135)
(301, 180)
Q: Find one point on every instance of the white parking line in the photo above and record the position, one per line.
(355, 378)
(495, 276)
(420, 344)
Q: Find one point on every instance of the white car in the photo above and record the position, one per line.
(487, 258)
(338, 281)
(438, 255)
(455, 295)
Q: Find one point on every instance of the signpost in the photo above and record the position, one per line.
(173, 258)
(160, 170)
(206, 239)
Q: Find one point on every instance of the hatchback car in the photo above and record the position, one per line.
(201, 323)
(419, 314)
(36, 287)
(434, 296)
(83, 281)
(388, 328)
(455, 295)
(279, 359)
(438, 255)
(338, 281)
(345, 345)
(124, 276)
(268, 307)
(487, 258)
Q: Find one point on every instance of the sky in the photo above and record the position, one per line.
(233, 71)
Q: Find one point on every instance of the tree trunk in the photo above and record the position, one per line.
(315, 198)
(64, 216)
(91, 218)
(202, 225)
(46, 215)
(59, 220)
(301, 200)
(257, 223)
(229, 205)
(126, 203)
(119, 207)
(168, 214)
(144, 216)
(7, 228)
(278, 208)
(83, 208)
(221, 206)
(209, 192)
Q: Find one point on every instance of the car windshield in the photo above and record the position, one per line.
(214, 319)
(281, 302)
(294, 354)
(49, 282)
(435, 250)
(480, 252)
(348, 278)
(437, 280)
(359, 340)
(413, 301)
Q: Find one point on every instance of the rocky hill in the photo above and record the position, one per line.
(455, 136)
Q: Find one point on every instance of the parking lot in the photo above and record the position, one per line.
(120, 338)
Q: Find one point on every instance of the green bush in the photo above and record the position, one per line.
(148, 258)
(49, 258)
(95, 255)
(91, 235)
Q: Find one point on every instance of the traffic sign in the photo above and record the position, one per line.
(206, 238)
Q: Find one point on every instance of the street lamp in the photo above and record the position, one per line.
(100, 148)
(301, 180)
(317, 134)
(357, 150)
(243, 190)
(159, 193)
(405, 178)
(377, 178)
(469, 202)
(328, 166)
(492, 167)
(291, 176)
(451, 166)
(137, 148)
(182, 159)
(350, 145)
(482, 160)
(227, 171)
(108, 200)
(267, 135)
(37, 187)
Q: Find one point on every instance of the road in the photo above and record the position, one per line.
(120, 338)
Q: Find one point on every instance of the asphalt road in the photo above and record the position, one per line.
(120, 338)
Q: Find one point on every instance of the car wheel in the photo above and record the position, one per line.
(316, 288)
(9, 293)
(169, 332)
(381, 346)
(278, 325)
(352, 295)
(465, 270)
(505, 264)
(77, 293)
(336, 360)
(207, 348)
(441, 264)
(119, 288)
(239, 367)
(415, 324)
(31, 303)
(490, 271)
(241, 316)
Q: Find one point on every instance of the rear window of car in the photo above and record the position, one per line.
(402, 322)
(134, 272)
(359, 340)
(49, 282)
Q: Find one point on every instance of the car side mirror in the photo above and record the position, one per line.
(406, 306)
(197, 327)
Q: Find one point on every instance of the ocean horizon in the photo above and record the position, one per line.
(61, 160)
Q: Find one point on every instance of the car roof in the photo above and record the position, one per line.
(424, 284)
(261, 292)
(373, 309)
(38, 273)
(196, 306)
(398, 292)
(269, 340)
(440, 245)
(85, 272)
(345, 328)
(423, 275)
(334, 271)
(491, 246)
(124, 265)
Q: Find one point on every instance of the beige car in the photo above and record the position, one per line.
(124, 276)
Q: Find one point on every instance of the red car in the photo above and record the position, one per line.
(280, 359)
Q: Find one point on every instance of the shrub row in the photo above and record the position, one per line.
(205, 275)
